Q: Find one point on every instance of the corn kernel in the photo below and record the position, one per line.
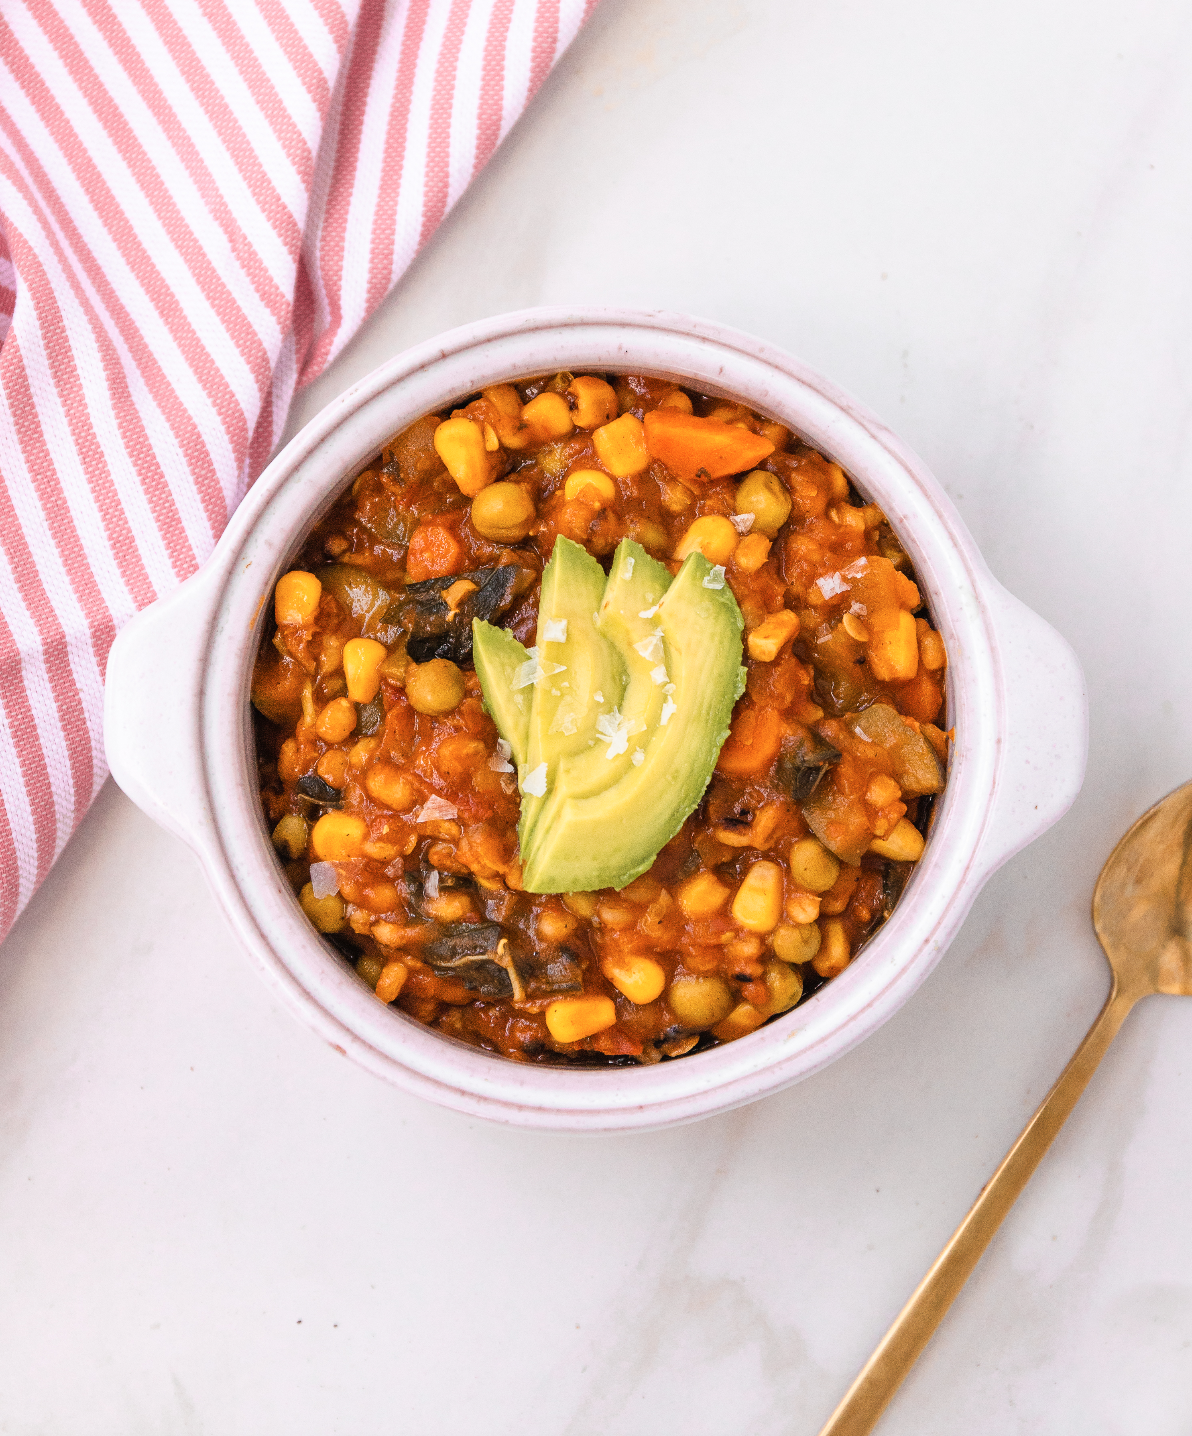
(758, 903)
(289, 837)
(796, 941)
(570, 1019)
(702, 895)
(360, 753)
(908, 592)
(767, 639)
(451, 906)
(931, 651)
(803, 907)
(296, 597)
(338, 837)
(882, 791)
(593, 401)
(391, 981)
(548, 417)
(332, 767)
(741, 1021)
(621, 446)
(336, 721)
(894, 649)
(615, 914)
(834, 955)
(812, 866)
(581, 904)
(676, 399)
(903, 845)
(290, 766)
(395, 934)
(362, 668)
(460, 589)
(838, 481)
(460, 443)
(752, 552)
(640, 979)
(326, 913)
(846, 516)
(592, 485)
(713, 536)
(778, 434)
(555, 926)
(510, 429)
(389, 785)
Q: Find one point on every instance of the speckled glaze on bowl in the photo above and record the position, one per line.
(1015, 696)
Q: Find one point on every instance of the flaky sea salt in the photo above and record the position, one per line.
(659, 675)
(629, 562)
(499, 762)
(535, 782)
(669, 707)
(324, 879)
(742, 522)
(638, 758)
(431, 886)
(614, 729)
(650, 648)
(554, 630)
(831, 584)
(435, 810)
(534, 670)
(648, 612)
(716, 578)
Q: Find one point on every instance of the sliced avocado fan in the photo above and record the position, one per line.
(618, 713)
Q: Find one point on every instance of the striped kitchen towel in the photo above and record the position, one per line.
(200, 203)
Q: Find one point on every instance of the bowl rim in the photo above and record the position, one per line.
(302, 482)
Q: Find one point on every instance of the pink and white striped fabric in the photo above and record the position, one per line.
(201, 202)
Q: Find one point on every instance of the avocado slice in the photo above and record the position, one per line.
(498, 656)
(573, 664)
(630, 705)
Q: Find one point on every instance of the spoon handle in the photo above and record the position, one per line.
(911, 1330)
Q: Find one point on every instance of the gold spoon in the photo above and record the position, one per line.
(1142, 914)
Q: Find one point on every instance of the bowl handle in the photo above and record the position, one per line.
(151, 711)
(1045, 738)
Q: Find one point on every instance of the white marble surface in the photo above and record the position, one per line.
(979, 220)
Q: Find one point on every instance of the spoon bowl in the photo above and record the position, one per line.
(1142, 904)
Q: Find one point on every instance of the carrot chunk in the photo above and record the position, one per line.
(753, 742)
(694, 448)
(434, 553)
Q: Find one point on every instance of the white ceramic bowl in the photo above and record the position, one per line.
(179, 737)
